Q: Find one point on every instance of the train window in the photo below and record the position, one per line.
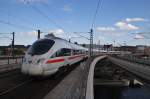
(76, 52)
(62, 52)
(82, 52)
(41, 47)
(66, 52)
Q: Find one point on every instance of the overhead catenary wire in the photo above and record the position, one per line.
(49, 8)
(5, 33)
(6, 37)
(18, 18)
(16, 25)
(81, 35)
(43, 14)
(46, 6)
(92, 26)
(95, 14)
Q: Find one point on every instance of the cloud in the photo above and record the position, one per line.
(121, 28)
(57, 31)
(135, 20)
(126, 26)
(110, 31)
(67, 8)
(101, 38)
(105, 29)
(32, 33)
(138, 36)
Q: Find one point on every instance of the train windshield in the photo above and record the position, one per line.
(41, 47)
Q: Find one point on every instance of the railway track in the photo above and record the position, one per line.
(13, 88)
(9, 73)
(111, 81)
(9, 80)
(29, 88)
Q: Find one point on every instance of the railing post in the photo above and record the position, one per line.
(8, 60)
(16, 59)
(22, 59)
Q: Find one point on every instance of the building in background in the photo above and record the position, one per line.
(131, 49)
(18, 50)
(107, 47)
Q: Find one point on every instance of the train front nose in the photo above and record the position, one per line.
(31, 69)
(35, 70)
(32, 65)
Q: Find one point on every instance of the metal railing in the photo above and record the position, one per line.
(139, 71)
(10, 63)
(10, 60)
(135, 59)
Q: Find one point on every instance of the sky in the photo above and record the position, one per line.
(117, 22)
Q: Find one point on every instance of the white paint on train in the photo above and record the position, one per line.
(47, 55)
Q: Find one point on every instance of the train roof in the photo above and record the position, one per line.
(64, 42)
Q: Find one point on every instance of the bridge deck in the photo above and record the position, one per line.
(74, 85)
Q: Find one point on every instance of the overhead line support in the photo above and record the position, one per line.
(91, 42)
(12, 46)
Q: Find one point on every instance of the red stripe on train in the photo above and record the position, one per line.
(55, 60)
(62, 59)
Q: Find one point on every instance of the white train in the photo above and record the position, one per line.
(47, 55)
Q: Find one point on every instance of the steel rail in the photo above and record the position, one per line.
(13, 88)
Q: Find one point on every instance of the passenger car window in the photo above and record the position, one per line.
(62, 52)
(76, 52)
(40, 47)
(66, 52)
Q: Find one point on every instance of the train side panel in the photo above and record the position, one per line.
(60, 54)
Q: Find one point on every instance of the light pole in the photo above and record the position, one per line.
(99, 45)
(12, 49)
(91, 42)
(39, 34)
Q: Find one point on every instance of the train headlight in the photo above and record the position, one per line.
(41, 60)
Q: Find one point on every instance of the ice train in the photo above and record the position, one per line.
(46, 56)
